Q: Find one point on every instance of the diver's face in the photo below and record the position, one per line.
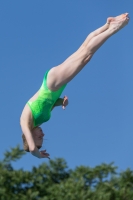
(38, 136)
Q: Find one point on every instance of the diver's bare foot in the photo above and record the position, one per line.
(116, 19)
(117, 23)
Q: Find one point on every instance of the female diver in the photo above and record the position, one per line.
(39, 107)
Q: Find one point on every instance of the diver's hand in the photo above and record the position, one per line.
(40, 154)
(65, 102)
(44, 154)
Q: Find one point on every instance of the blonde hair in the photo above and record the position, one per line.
(25, 144)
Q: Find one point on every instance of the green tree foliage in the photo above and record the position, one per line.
(55, 181)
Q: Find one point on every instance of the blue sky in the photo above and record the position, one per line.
(97, 126)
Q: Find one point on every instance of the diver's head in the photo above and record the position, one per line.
(38, 135)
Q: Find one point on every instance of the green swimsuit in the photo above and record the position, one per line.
(42, 106)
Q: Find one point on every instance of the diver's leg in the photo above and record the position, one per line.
(65, 72)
